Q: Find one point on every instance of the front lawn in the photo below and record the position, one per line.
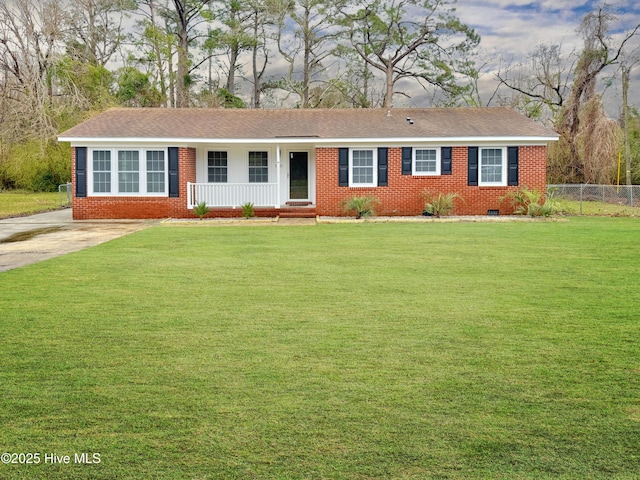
(433, 350)
(17, 203)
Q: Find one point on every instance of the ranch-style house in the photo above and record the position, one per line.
(160, 163)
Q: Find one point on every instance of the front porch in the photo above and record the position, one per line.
(270, 178)
(226, 200)
(233, 195)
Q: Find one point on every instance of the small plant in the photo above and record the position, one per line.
(362, 206)
(247, 210)
(438, 204)
(201, 210)
(531, 203)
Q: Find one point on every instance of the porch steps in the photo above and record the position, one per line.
(297, 212)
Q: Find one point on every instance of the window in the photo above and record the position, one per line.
(258, 167)
(155, 171)
(127, 172)
(217, 167)
(426, 161)
(362, 168)
(101, 171)
(492, 167)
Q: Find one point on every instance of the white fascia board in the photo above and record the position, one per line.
(310, 140)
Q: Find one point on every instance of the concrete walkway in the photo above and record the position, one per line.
(27, 240)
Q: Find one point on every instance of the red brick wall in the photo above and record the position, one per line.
(95, 207)
(402, 196)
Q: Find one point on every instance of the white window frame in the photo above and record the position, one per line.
(503, 181)
(90, 167)
(164, 172)
(374, 152)
(414, 161)
(218, 167)
(260, 167)
(142, 173)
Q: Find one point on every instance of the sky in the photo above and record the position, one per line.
(518, 25)
(513, 28)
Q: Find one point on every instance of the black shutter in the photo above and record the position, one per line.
(343, 167)
(407, 157)
(383, 168)
(512, 171)
(81, 171)
(472, 168)
(174, 180)
(446, 155)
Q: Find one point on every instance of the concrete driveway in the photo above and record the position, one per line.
(26, 240)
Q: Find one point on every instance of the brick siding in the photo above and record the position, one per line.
(403, 194)
(138, 207)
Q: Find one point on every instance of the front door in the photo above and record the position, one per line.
(299, 176)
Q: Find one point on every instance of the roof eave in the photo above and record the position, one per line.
(314, 140)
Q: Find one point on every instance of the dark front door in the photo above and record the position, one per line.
(298, 176)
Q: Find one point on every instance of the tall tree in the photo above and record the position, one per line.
(261, 17)
(566, 88)
(419, 39)
(96, 28)
(156, 45)
(188, 16)
(235, 37)
(31, 35)
(597, 54)
(307, 50)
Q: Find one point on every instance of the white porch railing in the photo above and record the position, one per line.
(232, 194)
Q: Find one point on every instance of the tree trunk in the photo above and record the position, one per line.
(388, 96)
(231, 78)
(182, 84)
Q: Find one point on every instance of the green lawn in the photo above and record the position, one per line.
(572, 207)
(353, 351)
(16, 203)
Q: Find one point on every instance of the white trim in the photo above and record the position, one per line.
(503, 182)
(142, 172)
(269, 152)
(278, 172)
(374, 167)
(183, 142)
(438, 160)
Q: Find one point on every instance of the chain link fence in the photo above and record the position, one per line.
(618, 194)
(64, 192)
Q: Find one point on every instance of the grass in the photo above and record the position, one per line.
(572, 207)
(17, 203)
(457, 351)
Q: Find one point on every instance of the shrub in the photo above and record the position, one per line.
(201, 210)
(438, 204)
(362, 206)
(531, 203)
(248, 211)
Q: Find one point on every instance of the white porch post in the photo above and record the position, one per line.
(277, 205)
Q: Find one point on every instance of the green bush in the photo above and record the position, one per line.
(201, 210)
(248, 210)
(531, 203)
(438, 204)
(362, 206)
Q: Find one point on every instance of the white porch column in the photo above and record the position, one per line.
(277, 205)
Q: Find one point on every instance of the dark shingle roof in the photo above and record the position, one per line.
(221, 124)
